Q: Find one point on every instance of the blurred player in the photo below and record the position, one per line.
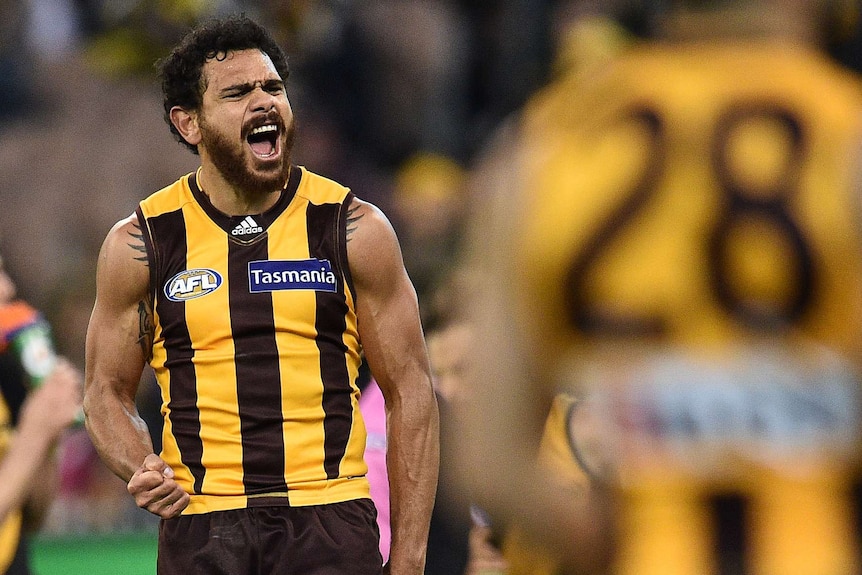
(30, 428)
(26, 345)
(676, 240)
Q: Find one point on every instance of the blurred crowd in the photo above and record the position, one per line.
(393, 98)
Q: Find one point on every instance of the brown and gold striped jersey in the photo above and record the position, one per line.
(256, 348)
(688, 249)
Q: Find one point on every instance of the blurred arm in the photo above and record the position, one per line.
(509, 394)
(46, 413)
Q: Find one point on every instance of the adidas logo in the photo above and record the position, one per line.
(247, 226)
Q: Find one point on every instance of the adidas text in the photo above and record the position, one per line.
(245, 231)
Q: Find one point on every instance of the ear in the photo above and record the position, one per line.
(186, 124)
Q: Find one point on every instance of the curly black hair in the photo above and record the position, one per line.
(180, 71)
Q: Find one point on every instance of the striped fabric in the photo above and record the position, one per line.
(256, 348)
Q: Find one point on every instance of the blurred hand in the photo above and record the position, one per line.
(155, 490)
(484, 557)
(54, 405)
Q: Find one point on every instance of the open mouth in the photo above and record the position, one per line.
(263, 141)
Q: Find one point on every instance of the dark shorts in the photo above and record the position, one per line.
(334, 539)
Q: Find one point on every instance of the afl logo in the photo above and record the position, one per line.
(191, 284)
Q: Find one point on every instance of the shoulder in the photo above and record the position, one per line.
(373, 250)
(367, 224)
(320, 189)
(123, 261)
(169, 198)
(125, 231)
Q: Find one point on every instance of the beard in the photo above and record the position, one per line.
(232, 161)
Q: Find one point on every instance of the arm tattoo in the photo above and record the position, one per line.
(352, 220)
(145, 328)
(138, 245)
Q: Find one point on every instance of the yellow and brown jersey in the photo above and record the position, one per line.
(256, 348)
(689, 241)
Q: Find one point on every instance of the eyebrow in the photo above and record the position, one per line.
(249, 86)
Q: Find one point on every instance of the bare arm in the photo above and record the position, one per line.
(45, 414)
(511, 390)
(391, 333)
(119, 340)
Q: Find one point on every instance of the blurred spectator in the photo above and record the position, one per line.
(428, 206)
(449, 537)
(494, 547)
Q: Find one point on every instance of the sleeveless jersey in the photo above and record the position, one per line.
(256, 349)
(687, 249)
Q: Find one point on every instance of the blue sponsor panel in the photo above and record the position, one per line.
(279, 275)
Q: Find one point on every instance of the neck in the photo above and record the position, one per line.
(232, 200)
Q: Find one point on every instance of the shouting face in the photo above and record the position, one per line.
(245, 124)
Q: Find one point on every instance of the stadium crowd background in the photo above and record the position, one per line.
(393, 98)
